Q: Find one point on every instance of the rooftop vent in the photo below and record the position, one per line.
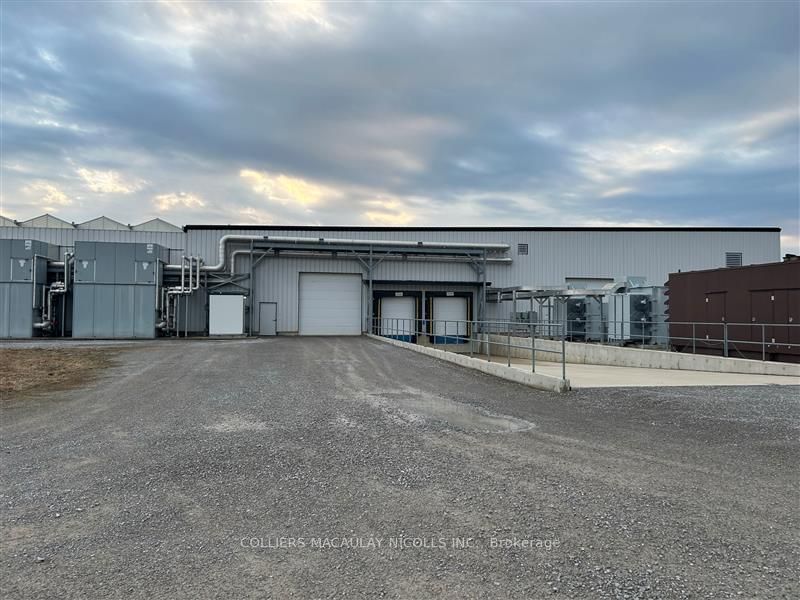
(522, 249)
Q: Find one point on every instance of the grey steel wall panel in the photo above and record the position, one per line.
(197, 311)
(84, 317)
(85, 251)
(144, 312)
(104, 313)
(5, 260)
(21, 311)
(123, 311)
(105, 265)
(5, 312)
(125, 263)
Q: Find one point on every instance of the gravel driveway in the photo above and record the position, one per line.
(345, 467)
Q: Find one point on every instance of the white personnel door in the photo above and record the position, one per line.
(330, 304)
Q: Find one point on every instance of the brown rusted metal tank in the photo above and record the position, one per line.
(752, 311)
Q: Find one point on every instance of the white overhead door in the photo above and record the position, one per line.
(449, 320)
(330, 304)
(225, 314)
(397, 317)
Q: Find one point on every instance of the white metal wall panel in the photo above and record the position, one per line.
(226, 315)
(330, 304)
(553, 255)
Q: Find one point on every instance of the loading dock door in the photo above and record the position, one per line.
(267, 318)
(397, 317)
(449, 320)
(330, 304)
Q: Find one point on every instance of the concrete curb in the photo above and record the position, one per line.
(613, 356)
(534, 380)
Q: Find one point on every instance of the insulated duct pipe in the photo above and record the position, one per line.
(226, 239)
(300, 254)
(197, 276)
(384, 243)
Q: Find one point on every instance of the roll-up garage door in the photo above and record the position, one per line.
(330, 304)
(449, 320)
(397, 317)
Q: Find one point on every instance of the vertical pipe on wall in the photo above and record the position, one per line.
(183, 264)
(252, 296)
(371, 298)
(423, 325)
(533, 339)
(188, 291)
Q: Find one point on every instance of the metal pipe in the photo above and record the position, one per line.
(231, 238)
(183, 264)
(508, 348)
(250, 293)
(33, 278)
(384, 243)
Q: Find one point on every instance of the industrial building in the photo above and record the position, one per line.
(104, 279)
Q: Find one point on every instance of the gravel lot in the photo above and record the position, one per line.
(158, 478)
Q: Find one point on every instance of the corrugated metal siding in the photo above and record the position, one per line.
(68, 237)
(553, 256)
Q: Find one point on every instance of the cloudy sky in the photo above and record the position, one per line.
(403, 114)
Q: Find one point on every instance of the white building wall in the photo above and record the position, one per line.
(553, 255)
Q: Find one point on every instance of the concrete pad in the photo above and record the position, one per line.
(589, 376)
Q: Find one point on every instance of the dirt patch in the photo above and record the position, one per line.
(34, 369)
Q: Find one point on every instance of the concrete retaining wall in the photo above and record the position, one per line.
(534, 380)
(597, 354)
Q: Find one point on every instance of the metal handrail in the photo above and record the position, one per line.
(464, 330)
(728, 337)
(649, 335)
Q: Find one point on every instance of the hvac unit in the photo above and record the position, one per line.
(629, 318)
(117, 289)
(595, 322)
(576, 318)
(659, 328)
(24, 290)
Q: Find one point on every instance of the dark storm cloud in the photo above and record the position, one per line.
(491, 112)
